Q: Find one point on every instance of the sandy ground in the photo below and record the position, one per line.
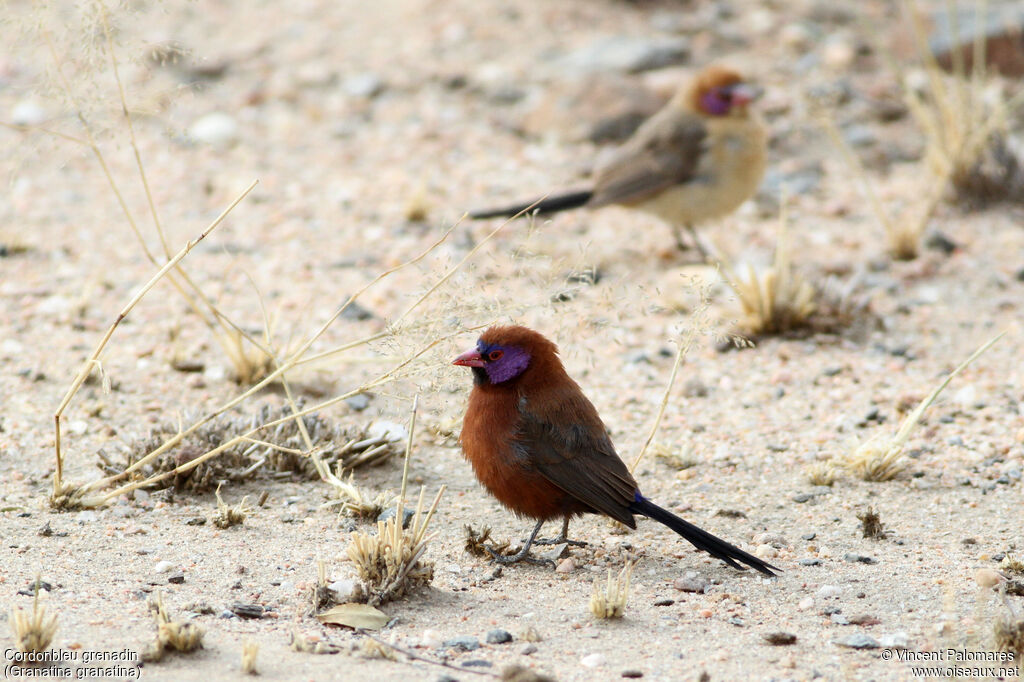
(349, 114)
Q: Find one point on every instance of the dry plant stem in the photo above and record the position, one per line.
(93, 360)
(131, 128)
(911, 420)
(684, 348)
(408, 456)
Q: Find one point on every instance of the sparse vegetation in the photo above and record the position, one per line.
(608, 601)
(881, 458)
(777, 299)
(821, 473)
(33, 630)
(871, 525)
(226, 516)
(171, 635)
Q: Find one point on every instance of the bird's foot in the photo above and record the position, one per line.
(561, 540)
(522, 555)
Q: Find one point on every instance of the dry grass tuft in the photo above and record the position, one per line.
(250, 363)
(371, 648)
(33, 630)
(389, 563)
(350, 498)
(1008, 633)
(476, 543)
(608, 601)
(310, 644)
(821, 473)
(282, 451)
(678, 458)
(881, 458)
(871, 525)
(1012, 565)
(250, 650)
(777, 299)
(171, 635)
(963, 117)
(230, 516)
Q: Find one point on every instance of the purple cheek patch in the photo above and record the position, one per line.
(511, 365)
(713, 104)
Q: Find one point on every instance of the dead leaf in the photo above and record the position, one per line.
(355, 616)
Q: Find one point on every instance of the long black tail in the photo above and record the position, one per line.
(562, 202)
(700, 538)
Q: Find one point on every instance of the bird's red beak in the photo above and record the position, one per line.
(471, 358)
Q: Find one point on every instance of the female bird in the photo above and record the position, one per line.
(697, 159)
(538, 445)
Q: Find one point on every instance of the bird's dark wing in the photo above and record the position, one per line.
(570, 447)
(665, 151)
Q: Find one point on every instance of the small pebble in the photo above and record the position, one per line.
(476, 663)
(390, 512)
(665, 602)
(809, 562)
(858, 641)
(839, 619)
(498, 636)
(780, 638)
(527, 649)
(593, 660)
(805, 603)
(363, 85)
(699, 585)
(986, 577)
(632, 674)
(216, 128)
(566, 566)
(896, 640)
(826, 591)
(163, 567)
(431, 639)
(860, 559)
(28, 112)
(176, 578)
(463, 642)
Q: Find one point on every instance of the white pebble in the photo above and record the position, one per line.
(385, 429)
(11, 348)
(28, 112)
(345, 590)
(593, 661)
(897, 640)
(431, 639)
(805, 603)
(826, 591)
(362, 85)
(163, 567)
(217, 128)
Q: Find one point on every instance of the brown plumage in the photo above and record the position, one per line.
(538, 445)
(697, 159)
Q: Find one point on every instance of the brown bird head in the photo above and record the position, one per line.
(504, 356)
(718, 91)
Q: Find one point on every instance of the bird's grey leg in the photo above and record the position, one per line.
(704, 253)
(677, 232)
(523, 554)
(562, 539)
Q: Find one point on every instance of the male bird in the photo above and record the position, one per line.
(697, 159)
(538, 445)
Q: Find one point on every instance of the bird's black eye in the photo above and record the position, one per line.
(495, 355)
